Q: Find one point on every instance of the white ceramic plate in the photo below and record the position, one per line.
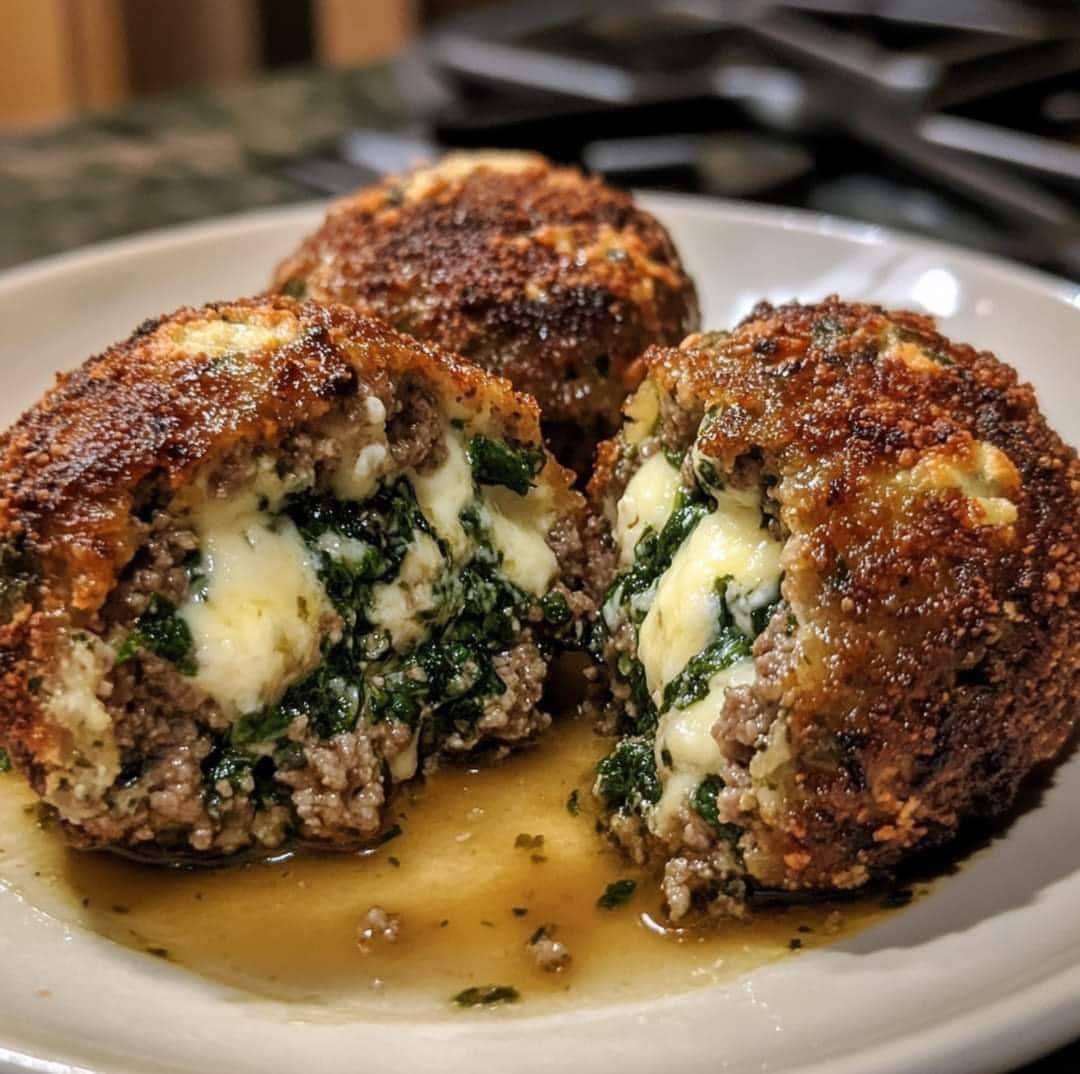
(979, 976)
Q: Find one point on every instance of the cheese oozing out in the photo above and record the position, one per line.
(646, 503)
(253, 639)
(258, 623)
(684, 612)
(443, 493)
(519, 528)
(729, 541)
(402, 607)
(682, 619)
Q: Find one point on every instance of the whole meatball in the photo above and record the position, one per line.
(552, 279)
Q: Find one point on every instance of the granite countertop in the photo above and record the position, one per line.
(170, 160)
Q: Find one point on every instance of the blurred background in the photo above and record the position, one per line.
(958, 119)
(953, 118)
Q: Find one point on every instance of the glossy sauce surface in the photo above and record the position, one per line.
(468, 877)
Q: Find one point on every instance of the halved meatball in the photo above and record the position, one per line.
(556, 281)
(263, 561)
(844, 612)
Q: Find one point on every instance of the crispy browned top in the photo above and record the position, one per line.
(554, 280)
(152, 410)
(933, 565)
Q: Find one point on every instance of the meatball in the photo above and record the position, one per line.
(263, 562)
(844, 613)
(553, 280)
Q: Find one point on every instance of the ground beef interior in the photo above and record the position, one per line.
(186, 786)
(700, 849)
(919, 659)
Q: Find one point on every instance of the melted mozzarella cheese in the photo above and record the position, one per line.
(343, 549)
(683, 612)
(357, 479)
(445, 492)
(985, 475)
(519, 528)
(685, 735)
(258, 628)
(647, 502)
(399, 606)
(683, 615)
(217, 338)
(365, 457)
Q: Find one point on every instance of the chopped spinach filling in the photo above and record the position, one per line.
(729, 644)
(16, 576)
(5, 760)
(628, 594)
(437, 687)
(707, 475)
(379, 532)
(162, 631)
(705, 804)
(556, 610)
(633, 673)
(450, 674)
(627, 779)
(326, 696)
(236, 768)
(692, 683)
(498, 462)
(654, 551)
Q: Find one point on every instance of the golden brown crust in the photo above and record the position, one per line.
(152, 410)
(933, 567)
(553, 280)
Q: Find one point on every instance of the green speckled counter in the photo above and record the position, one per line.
(169, 160)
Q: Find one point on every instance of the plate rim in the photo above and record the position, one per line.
(1041, 1015)
(806, 221)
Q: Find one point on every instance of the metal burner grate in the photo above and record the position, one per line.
(960, 120)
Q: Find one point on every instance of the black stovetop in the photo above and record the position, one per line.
(958, 119)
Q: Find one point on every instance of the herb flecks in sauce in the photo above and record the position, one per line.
(487, 996)
(216, 922)
(617, 894)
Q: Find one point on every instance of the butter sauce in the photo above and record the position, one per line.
(468, 877)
